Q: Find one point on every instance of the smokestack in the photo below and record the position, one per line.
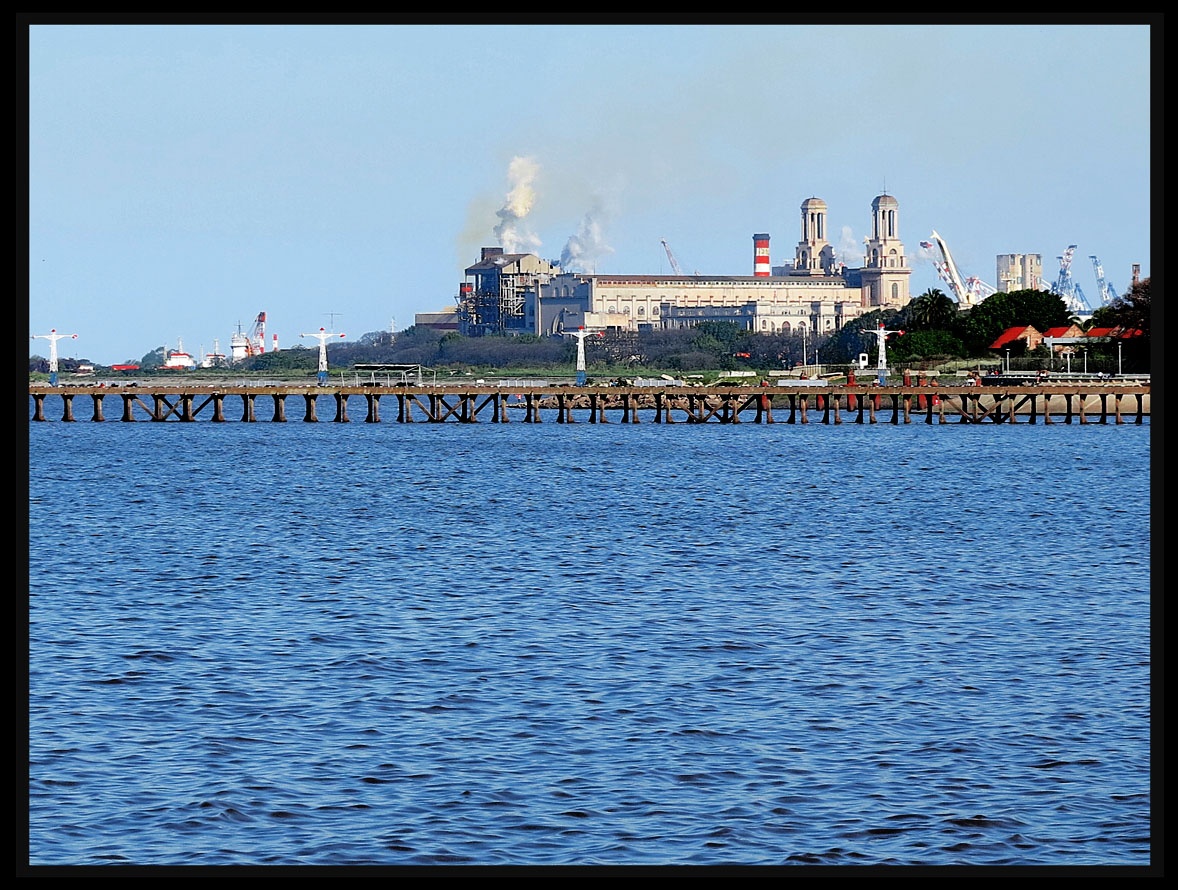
(275, 342)
(761, 268)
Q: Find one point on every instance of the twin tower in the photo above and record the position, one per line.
(884, 273)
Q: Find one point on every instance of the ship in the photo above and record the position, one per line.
(242, 346)
(178, 359)
(214, 359)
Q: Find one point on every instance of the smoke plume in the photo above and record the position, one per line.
(587, 246)
(510, 232)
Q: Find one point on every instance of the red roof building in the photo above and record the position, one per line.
(1024, 332)
(1073, 330)
(1115, 333)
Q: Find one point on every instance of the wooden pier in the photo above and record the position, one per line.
(1082, 403)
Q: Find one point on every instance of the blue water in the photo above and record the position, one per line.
(588, 644)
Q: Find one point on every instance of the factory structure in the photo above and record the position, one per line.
(518, 293)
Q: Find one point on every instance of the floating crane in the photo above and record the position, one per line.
(967, 291)
(243, 346)
(671, 258)
(258, 336)
(1108, 293)
(1066, 287)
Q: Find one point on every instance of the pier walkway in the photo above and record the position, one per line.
(818, 402)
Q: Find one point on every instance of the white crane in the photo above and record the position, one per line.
(966, 291)
(322, 336)
(1108, 293)
(53, 337)
(671, 258)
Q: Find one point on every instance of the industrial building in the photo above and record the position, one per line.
(522, 293)
(1020, 271)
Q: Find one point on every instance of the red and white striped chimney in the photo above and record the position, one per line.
(275, 342)
(761, 267)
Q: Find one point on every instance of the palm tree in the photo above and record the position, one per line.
(931, 311)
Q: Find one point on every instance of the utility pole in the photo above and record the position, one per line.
(53, 337)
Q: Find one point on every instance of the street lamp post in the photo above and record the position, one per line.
(1119, 372)
(1008, 361)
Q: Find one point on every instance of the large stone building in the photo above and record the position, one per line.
(521, 293)
(1020, 271)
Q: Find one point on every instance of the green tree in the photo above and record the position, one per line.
(719, 337)
(300, 358)
(1131, 310)
(985, 322)
(154, 359)
(922, 345)
(931, 311)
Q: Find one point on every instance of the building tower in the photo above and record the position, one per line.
(885, 271)
(761, 267)
(1020, 271)
(814, 256)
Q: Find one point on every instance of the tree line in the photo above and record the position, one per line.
(931, 330)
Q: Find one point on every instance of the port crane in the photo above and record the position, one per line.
(1108, 293)
(671, 258)
(966, 291)
(1066, 287)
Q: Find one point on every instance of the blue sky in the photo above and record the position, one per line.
(184, 178)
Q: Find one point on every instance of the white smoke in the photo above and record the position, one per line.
(849, 251)
(587, 246)
(511, 233)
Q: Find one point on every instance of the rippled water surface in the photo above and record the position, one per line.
(589, 644)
